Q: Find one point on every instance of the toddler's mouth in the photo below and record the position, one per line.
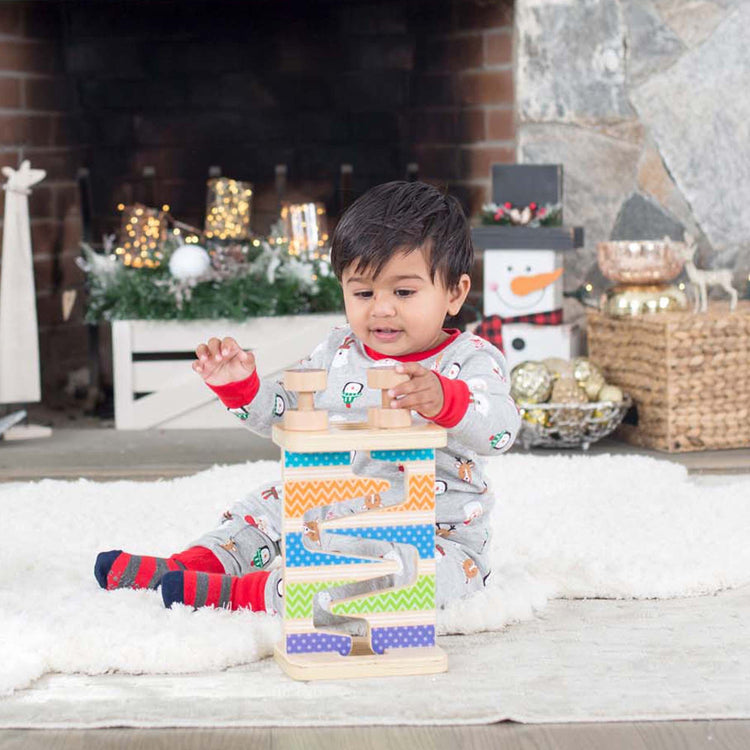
(385, 334)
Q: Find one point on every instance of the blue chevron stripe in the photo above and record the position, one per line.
(422, 536)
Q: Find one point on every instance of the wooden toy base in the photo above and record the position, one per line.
(332, 666)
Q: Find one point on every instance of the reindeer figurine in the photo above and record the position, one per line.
(703, 279)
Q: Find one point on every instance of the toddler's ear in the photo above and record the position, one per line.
(457, 295)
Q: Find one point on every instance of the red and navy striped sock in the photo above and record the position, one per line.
(117, 569)
(213, 590)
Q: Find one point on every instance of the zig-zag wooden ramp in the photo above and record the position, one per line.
(359, 576)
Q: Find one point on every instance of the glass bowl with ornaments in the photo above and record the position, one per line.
(565, 403)
(643, 272)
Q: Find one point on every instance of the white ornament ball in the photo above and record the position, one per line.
(189, 262)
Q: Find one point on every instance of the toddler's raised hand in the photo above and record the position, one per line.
(222, 361)
(422, 392)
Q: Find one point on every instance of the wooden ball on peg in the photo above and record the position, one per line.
(305, 417)
(385, 417)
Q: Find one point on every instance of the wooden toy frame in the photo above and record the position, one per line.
(334, 627)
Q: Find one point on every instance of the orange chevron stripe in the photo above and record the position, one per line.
(300, 496)
(420, 493)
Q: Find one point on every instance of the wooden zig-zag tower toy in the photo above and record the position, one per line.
(359, 578)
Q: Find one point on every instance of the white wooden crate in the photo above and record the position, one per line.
(154, 358)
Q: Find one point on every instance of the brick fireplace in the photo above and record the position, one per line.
(149, 96)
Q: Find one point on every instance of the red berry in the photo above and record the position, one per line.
(532, 206)
(508, 205)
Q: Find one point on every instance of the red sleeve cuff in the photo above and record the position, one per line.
(239, 393)
(455, 402)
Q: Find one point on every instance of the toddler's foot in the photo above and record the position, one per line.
(215, 590)
(117, 569)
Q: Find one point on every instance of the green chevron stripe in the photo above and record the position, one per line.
(419, 596)
(298, 599)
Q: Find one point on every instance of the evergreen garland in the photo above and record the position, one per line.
(272, 283)
(533, 215)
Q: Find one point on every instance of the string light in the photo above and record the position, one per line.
(304, 228)
(228, 204)
(142, 230)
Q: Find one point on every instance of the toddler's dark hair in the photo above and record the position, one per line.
(404, 216)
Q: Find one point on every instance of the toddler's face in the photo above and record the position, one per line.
(402, 311)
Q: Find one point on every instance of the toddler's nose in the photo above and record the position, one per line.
(383, 307)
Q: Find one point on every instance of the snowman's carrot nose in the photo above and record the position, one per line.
(522, 285)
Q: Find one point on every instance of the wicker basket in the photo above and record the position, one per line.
(688, 374)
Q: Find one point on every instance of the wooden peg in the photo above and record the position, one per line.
(305, 417)
(384, 416)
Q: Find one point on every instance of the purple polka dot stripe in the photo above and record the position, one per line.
(406, 636)
(305, 643)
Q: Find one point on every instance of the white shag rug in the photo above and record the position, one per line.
(565, 527)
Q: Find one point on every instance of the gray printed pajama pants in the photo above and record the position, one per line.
(248, 539)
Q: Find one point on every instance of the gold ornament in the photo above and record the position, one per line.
(558, 367)
(589, 377)
(568, 391)
(626, 301)
(610, 393)
(530, 382)
(536, 416)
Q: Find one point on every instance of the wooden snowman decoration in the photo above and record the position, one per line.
(523, 270)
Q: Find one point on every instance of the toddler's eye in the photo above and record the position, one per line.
(404, 292)
(365, 294)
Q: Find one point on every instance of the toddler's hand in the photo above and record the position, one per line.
(220, 362)
(422, 392)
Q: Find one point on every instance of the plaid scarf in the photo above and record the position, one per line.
(491, 328)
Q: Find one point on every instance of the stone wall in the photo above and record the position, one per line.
(646, 103)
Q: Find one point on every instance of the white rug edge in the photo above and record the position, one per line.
(480, 721)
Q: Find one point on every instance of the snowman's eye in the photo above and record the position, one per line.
(510, 269)
(528, 269)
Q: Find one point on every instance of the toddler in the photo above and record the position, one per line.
(403, 254)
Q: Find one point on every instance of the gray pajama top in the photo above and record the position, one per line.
(488, 426)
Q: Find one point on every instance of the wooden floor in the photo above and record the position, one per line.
(679, 735)
(144, 455)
